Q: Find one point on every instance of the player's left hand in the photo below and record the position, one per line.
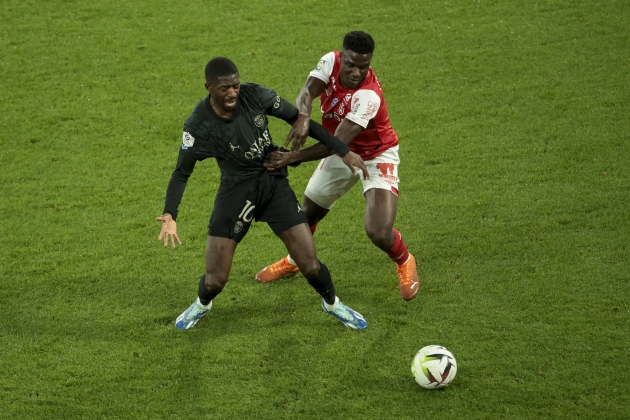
(169, 230)
(278, 160)
(354, 161)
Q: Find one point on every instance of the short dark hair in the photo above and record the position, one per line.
(219, 67)
(358, 42)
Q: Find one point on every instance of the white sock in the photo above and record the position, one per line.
(291, 260)
(331, 307)
(208, 306)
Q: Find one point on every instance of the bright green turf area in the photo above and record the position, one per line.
(514, 122)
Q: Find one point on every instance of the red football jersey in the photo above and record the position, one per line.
(364, 105)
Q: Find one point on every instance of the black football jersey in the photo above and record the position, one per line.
(239, 144)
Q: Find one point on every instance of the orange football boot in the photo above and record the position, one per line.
(277, 270)
(409, 283)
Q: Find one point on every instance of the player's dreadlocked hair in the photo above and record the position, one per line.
(358, 42)
(218, 67)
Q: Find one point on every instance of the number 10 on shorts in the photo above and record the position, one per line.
(246, 213)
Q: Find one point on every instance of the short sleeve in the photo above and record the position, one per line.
(364, 106)
(324, 68)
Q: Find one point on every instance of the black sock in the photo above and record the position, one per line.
(323, 284)
(205, 295)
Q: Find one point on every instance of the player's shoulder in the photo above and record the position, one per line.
(196, 125)
(256, 90)
(249, 87)
(325, 66)
(202, 104)
(200, 112)
(328, 58)
(372, 83)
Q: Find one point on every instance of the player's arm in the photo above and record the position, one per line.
(287, 112)
(325, 140)
(366, 104)
(282, 109)
(304, 102)
(174, 193)
(346, 132)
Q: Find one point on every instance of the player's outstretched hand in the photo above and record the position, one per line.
(169, 230)
(278, 160)
(298, 133)
(354, 161)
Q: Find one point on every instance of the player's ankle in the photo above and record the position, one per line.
(330, 307)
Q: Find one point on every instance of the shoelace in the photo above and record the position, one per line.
(196, 311)
(406, 278)
(279, 267)
(343, 312)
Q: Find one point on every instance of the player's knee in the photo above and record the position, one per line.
(313, 212)
(310, 269)
(215, 282)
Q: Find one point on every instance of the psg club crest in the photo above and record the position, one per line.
(259, 120)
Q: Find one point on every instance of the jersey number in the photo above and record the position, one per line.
(246, 213)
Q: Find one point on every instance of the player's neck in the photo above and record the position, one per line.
(343, 85)
(220, 111)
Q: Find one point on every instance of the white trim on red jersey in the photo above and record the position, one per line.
(364, 105)
(324, 68)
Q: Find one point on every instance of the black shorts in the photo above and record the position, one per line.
(236, 207)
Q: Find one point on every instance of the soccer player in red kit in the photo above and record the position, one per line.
(354, 110)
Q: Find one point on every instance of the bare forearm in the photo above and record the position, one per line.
(345, 133)
(304, 102)
(311, 153)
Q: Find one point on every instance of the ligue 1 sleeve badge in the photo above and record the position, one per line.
(187, 140)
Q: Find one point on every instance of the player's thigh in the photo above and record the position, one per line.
(381, 206)
(331, 180)
(233, 212)
(381, 190)
(383, 172)
(282, 211)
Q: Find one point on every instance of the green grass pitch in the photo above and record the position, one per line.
(514, 127)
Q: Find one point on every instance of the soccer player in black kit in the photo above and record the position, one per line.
(230, 125)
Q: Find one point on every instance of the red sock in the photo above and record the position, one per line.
(398, 253)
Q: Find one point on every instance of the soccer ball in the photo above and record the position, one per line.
(434, 367)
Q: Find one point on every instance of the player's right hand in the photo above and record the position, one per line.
(354, 161)
(298, 133)
(169, 230)
(278, 160)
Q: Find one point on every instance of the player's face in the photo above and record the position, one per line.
(224, 93)
(354, 68)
